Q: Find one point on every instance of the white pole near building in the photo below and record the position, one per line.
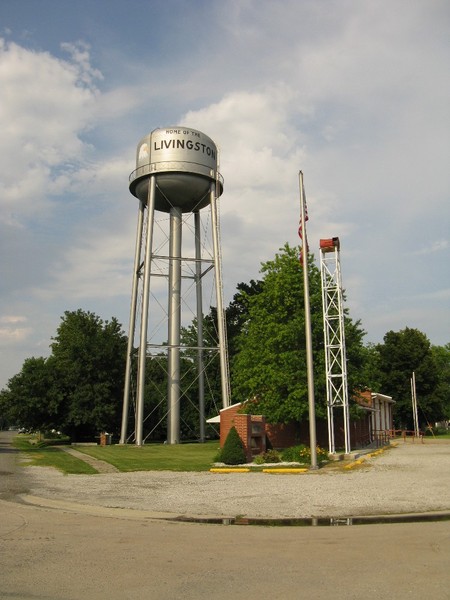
(414, 405)
(308, 330)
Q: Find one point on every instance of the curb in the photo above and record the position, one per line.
(231, 470)
(280, 471)
(360, 461)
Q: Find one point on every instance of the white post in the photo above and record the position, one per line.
(308, 331)
(414, 405)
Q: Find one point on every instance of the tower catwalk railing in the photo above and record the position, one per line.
(334, 339)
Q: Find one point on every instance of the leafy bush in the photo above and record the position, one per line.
(54, 438)
(55, 442)
(294, 453)
(272, 456)
(302, 454)
(436, 431)
(233, 452)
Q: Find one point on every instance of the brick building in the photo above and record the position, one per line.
(373, 427)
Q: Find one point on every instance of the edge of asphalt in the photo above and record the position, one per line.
(139, 514)
(106, 511)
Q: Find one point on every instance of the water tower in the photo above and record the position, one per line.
(176, 175)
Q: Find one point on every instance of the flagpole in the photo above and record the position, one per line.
(308, 330)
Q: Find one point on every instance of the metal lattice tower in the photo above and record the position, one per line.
(334, 338)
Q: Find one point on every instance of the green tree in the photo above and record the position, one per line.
(270, 364)
(88, 357)
(32, 399)
(402, 353)
(441, 356)
(237, 312)
(233, 452)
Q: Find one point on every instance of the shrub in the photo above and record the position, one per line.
(233, 452)
(436, 431)
(295, 453)
(302, 454)
(272, 456)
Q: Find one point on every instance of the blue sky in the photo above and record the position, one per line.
(355, 94)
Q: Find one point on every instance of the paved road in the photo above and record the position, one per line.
(56, 554)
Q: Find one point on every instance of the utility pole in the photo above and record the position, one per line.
(308, 330)
(414, 405)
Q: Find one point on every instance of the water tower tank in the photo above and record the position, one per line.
(185, 162)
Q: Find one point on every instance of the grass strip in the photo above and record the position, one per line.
(156, 457)
(52, 456)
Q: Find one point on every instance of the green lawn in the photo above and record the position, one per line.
(440, 436)
(51, 456)
(156, 457)
(150, 457)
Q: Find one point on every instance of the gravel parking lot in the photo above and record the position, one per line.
(407, 478)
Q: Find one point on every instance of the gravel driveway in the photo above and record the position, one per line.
(407, 478)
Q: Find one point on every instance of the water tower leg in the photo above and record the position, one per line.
(132, 327)
(219, 299)
(142, 356)
(173, 384)
(199, 294)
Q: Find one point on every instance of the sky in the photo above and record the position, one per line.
(354, 94)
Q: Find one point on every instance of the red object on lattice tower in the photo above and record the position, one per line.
(329, 244)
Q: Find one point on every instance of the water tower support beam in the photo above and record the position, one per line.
(219, 300)
(132, 325)
(142, 356)
(173, 384)
(199, 294)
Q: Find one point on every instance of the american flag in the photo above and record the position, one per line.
(305, 242)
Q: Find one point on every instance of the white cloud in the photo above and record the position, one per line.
(16, 334)
(12, 319)
(10, 330)
(47, 103)
(435, 246)
(357, 99)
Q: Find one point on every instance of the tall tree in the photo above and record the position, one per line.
(88, 356)
(441, 356)
(402, 353)
(32, 399)
(270, 364)
(237, 312)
